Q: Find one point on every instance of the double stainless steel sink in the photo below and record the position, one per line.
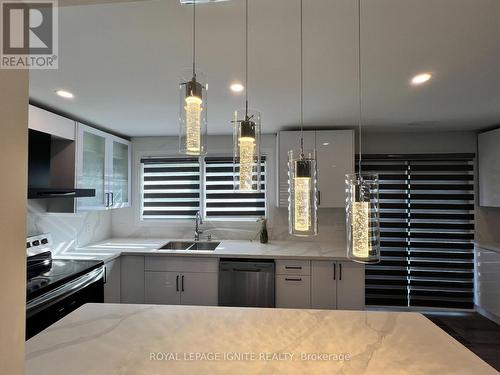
(190, 245)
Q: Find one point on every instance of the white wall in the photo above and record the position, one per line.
(13, 167)
(126, 223)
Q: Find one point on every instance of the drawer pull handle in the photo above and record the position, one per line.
(177, 283)
(293, 267)
(290, 279)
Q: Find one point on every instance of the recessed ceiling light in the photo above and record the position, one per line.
(326, 143)
(421, 78)
(65, 94)
(237, 87)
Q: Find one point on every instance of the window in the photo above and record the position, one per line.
(176, 188)
(220, 199)
(427, 232)
(171, 188)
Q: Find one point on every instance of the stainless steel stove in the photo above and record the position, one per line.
(55, 287)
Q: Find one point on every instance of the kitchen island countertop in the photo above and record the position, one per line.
(112, 248)
(147, 339)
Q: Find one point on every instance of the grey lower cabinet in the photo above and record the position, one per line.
(351, 286)
(320, 284)
(181, 281)
(337, 285)
(177, 280)
(132, 279)
(293, 284)
(324, 285)
(112, 281)
(488, 280)
(162, 288)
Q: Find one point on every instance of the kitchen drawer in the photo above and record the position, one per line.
(293, 291)
(293, 267)
(181, 264)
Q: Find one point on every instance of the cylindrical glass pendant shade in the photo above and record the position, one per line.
(193, 113)
(362, 218)
(246, 147)
(302, 190)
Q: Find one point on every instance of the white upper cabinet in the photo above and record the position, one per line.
(119, 182)
(48, 122)
(489, 168)
(335, 153)
(91, 167)
(103, 163)
(289, 140)
(335, 150)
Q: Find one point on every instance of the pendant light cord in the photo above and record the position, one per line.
(301, 80)
(246, 59)
(194, 38)
(360, 103)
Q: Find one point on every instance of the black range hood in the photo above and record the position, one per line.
(39, 193)
(51, 168)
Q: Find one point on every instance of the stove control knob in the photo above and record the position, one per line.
(28, 245)
(45, 241)
(36, 243)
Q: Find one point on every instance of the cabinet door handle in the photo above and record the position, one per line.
(177, 283)
(340, 273)
(107, 199)
(112, 198)
(105, 274)
(182, 283)
(292, 279)
(293, 267)
(319, 198)
(334, 271)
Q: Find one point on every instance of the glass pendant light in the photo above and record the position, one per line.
(193, 106)
(246, 138)
(302, 174)
(362, 197)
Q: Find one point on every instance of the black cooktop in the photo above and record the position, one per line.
(52, 273)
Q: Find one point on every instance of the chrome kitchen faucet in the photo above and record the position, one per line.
(197, 222)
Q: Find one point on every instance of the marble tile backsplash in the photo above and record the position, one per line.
(331, 227)
(68, 230)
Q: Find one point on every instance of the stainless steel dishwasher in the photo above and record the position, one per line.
(246, 283)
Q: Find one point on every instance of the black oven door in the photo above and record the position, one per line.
(47, 309)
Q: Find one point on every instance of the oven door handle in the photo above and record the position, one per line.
(64, 291)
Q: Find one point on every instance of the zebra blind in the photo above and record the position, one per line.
(221, 201)
(427, 231)
(171, 188)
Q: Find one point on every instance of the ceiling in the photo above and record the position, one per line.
(122, 61)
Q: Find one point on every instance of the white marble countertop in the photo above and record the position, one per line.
(112, 248)
(145, 339)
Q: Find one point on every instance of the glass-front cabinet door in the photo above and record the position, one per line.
(120, 174)
(92, 168)
(103, 164)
